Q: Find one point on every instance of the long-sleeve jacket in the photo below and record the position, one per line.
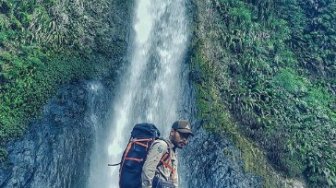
(153, 167)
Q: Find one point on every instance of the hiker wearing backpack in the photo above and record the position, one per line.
(160, 167)
(150, 161)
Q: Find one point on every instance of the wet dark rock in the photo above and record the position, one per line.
(213, 161)
(196, 76)
(55, 150)
(210, 160)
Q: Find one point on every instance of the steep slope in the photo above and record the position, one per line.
(44, 44)
(48, 113)
(265, 70)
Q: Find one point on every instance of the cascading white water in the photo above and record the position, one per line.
(151, 87)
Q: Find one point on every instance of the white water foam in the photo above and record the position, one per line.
(150, 89)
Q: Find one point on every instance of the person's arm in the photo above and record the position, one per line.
(155, 153)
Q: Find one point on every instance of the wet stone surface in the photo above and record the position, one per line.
(55, 150)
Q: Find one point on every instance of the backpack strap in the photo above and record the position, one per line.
(166, 159)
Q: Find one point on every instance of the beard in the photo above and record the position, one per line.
(178, 144)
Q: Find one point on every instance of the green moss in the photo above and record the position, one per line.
(242, 14)
(39, 53)
(218, 118)
(291, 82)
(273, 74)
(318, 96)
(31, 80)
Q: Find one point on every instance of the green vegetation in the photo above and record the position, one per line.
(218, 120)
(40, 50)
(30, 71)
(275, 75)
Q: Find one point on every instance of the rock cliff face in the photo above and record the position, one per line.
(55, 150)
(213, 161)
(219, 155)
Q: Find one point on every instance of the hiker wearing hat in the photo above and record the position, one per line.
(160, 167)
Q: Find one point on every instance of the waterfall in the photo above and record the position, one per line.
(150, 89)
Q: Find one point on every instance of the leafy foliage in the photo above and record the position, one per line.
(277, 62)
(218, 119)
(40, 50)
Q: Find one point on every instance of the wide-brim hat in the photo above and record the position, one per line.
(182, 126)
